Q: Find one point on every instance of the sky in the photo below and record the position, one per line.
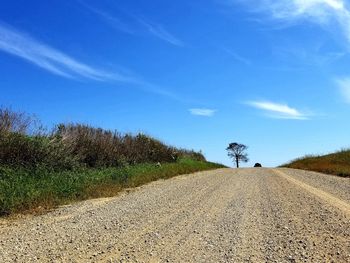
(271, 74)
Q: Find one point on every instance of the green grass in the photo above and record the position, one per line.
(24, 190)
(336, 163)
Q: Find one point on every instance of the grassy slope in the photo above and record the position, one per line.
(336, 163)
(23, 190)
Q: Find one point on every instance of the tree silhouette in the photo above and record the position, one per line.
(237, 152)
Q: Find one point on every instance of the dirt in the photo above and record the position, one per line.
(226, 215)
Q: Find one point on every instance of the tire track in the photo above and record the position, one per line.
(327, 197)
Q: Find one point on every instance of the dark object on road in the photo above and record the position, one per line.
(257, 165)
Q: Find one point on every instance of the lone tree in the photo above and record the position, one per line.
(237, 152)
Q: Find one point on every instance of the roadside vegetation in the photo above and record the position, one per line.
(336, 163)
(41, 169)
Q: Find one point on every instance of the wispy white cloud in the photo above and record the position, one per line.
(160, 32)
(236, 56)
(135, 25)
(113, 21)
(322, 12)
(278, 111)
(314, 55)
(202, 112)
(344, 88)
(26, 47)
(54, 61)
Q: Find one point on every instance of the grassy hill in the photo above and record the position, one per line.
(337, 163)
(41, 169)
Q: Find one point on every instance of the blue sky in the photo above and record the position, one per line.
(274, 75)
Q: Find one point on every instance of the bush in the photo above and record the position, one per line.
(17, 122)
(33, 151)
(71, 146)
(96, 147)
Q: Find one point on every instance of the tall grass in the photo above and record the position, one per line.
(70, 146)
(24, 190)
(41, 169)
(337, 163)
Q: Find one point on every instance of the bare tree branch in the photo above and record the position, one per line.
(237, 152)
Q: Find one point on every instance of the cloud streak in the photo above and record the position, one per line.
(237, 57)
(56, 62)
(135, 25)
(50, 59)
(202, 112)
(344, 88)
(160, 32)
(109, 19)
(278, 111)
(322, 12)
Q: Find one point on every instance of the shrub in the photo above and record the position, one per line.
(17, 122)
(33, 151)
(77, 145)
(96, 147)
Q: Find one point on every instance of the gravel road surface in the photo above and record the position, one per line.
(226, 215)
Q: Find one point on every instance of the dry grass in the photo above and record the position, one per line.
(71, 146)
(336, 163)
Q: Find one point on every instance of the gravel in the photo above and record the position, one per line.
(338, 186)
(226, 215)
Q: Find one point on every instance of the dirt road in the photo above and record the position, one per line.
(226, 215)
